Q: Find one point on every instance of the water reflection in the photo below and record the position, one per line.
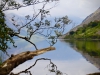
(89, 49)
(65, 57)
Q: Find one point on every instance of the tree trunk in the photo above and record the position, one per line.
(18, 59)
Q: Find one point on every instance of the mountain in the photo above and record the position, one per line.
(92, 17)
(90, 23)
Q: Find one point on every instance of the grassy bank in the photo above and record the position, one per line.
(87, 32)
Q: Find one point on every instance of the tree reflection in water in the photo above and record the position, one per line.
(89, 49)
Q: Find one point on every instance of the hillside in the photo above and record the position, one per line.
(92, 17)
(88, 29)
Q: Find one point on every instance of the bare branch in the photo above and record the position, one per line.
(26, 40)
(32, 19)
(23, 6)
(4, 5)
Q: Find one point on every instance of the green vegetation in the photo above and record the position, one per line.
(5, 31)
(90, 31)
(90, 47)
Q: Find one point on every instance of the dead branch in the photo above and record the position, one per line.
(16, 60)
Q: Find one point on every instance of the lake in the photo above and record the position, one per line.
(71, 57)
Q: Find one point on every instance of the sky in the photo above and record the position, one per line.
(76, 10)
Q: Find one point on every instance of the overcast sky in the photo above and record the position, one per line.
(76, 10)
(73, 8)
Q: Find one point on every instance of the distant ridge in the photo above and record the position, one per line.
(95, 16)
(92, 17)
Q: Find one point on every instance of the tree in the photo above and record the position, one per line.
(4, 34)
(33, 28)
(71, 32)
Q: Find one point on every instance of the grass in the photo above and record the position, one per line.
(87, 32)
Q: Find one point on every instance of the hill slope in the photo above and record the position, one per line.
(89, 28)
(92, 17)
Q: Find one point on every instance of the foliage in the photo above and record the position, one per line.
(71, 32)
(5, 36)
(89, 31)
(93, 24)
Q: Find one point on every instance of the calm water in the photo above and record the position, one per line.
(69, 57)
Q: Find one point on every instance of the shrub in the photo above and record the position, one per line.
(71, 32)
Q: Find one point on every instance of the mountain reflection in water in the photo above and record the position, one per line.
(89, 49)
(67, 59)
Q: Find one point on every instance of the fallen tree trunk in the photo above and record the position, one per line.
(18, 59)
